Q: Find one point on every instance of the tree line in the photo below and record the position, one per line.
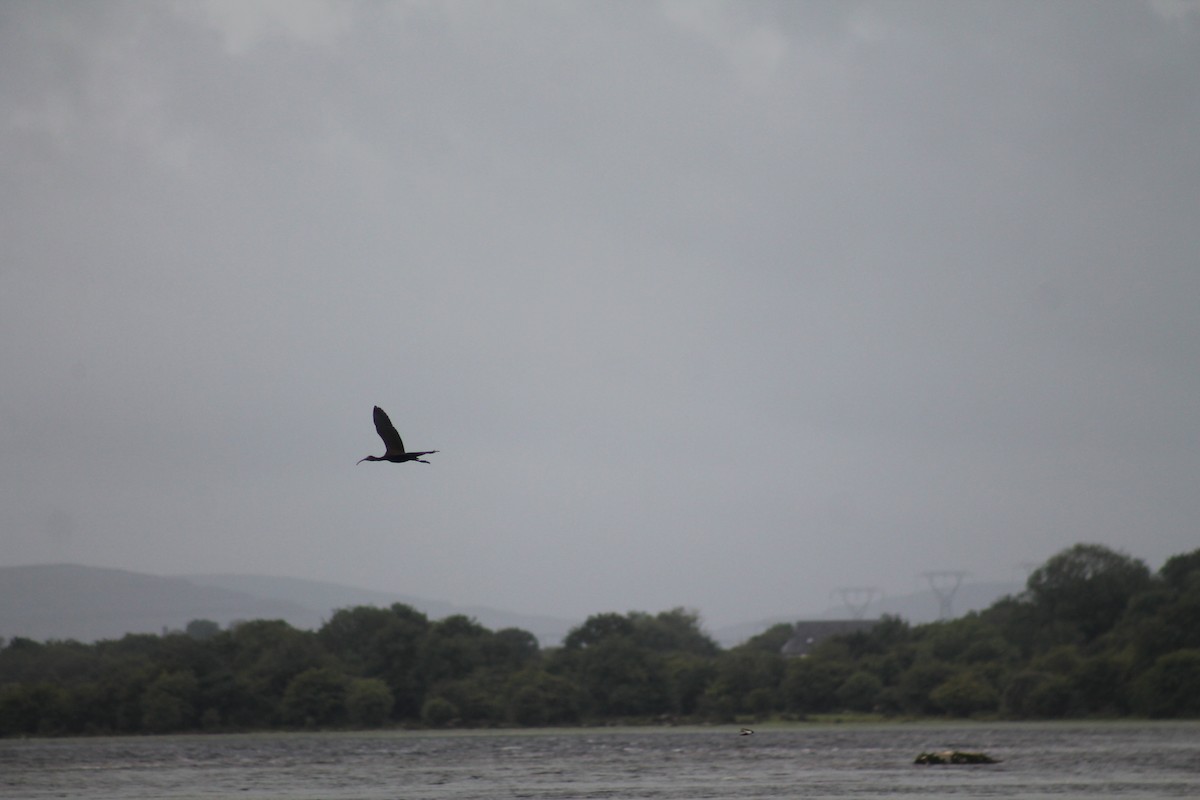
(1094, 634)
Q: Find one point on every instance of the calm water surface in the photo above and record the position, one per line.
(1039, 761)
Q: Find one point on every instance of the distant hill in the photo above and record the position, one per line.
(67, 601)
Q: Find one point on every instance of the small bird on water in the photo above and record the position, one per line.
(394, 445)
(745, 732)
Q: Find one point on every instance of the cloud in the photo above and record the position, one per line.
(753, 49)
(1177, 10)
(691, 297)
(245, 26)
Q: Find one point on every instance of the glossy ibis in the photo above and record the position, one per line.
(392, 442)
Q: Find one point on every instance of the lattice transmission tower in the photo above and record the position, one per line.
(857, 599)
(944, 583)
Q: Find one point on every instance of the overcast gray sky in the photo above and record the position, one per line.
(722, 305)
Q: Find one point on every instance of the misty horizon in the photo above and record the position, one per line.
(65, 602)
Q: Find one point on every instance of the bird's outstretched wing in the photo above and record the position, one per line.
(387, 431)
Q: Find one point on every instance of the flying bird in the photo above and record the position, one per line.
(745, 732)
(394, 445)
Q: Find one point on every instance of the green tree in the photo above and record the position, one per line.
(384, 644)
(598, 628)
(1171, 688)
(438, 712)
(168, 704)
(1030, 694)
(511, 649)
(810, 684)
(688, 677)
(1062, 660)
(476, 699)
(20, 709)
(125, 668)
(1087, 587)
(1018, 691)
(1101, 684)
(1182, 571)
(452, 649)
(1021, 625)
(748, 679)
(1092, 635)
(230, 700)
(621, 679)
(1163, 619)
(202, 629)
(968, 640)
(536, 697)
(859, 692)
(674, 631)
(612, 664)
(771, 640)
(267, 655)
(1053, 698)
(965, 694)
(315, 697)
(369, 640)
(369, 702)
(915, 687)
(886, 636)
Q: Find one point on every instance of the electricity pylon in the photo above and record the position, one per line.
(944, 584)
(857, 598)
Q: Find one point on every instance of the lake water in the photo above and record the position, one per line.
(1130, 760)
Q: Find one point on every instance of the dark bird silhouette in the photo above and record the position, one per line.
(392, 442)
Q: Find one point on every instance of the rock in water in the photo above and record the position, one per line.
(954, 757)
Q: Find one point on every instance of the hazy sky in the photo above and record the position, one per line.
(721, 305)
